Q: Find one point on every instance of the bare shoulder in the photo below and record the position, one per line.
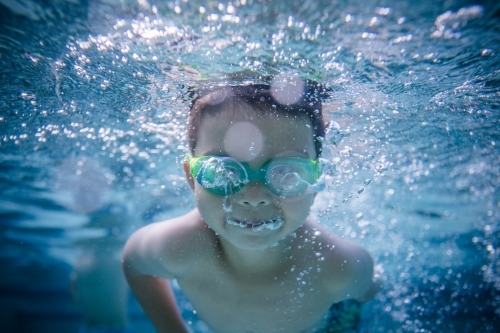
(167, 248)
(347, 266)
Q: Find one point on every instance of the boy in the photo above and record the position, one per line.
(248, 257)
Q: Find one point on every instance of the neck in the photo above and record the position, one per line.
(255, 262)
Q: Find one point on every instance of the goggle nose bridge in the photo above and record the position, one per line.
(256, 174)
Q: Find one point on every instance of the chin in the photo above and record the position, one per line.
(251, 241)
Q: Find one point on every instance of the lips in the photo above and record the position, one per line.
(257, 226)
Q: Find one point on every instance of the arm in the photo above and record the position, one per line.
(364, 287)
(354, 277)
(369, 294)
(376, 285)
(157, 299)
(147, 264)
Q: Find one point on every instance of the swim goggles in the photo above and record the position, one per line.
(285, 176)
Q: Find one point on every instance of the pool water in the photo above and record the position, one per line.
(93, 111)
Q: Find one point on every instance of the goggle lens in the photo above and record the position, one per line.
(290, 176)
(221, 174)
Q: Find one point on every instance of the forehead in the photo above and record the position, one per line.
(251, 135)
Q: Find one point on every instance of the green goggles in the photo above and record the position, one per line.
(285, 176)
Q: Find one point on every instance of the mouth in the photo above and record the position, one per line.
(257, 225)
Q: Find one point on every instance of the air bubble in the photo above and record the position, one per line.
(258, 227)
(487, 52)
(290, 181)
(227, 204)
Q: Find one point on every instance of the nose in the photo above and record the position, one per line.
(254, 194)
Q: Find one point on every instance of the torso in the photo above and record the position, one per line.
(292, 300)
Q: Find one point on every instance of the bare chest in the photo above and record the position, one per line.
(294, 302)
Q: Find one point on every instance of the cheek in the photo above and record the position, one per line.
(208, 204)
(298, 206)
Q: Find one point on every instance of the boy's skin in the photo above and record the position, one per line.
(239, 280)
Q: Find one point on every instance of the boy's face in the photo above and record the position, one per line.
(253, 138)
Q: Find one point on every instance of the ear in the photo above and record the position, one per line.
(189, 177)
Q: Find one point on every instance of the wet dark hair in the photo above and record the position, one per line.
(256, 98)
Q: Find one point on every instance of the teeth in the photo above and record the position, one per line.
(257, 226)
(233, 222)
(276, 224)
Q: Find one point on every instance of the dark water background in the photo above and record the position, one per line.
(93, 106)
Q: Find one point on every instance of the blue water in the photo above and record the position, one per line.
(93, 110)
